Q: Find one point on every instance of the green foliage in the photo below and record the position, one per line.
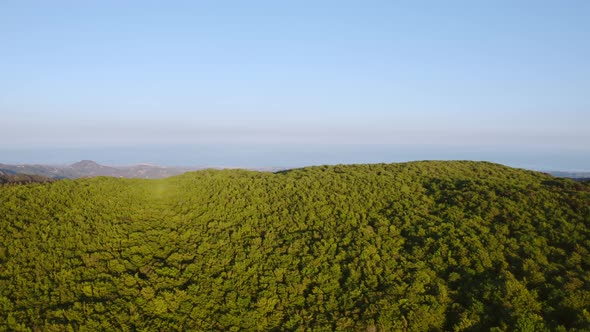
(422, 246)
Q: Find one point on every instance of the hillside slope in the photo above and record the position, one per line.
(413, 247)
(7, 177)
(89, 168)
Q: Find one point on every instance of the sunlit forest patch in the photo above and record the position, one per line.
(420, 246)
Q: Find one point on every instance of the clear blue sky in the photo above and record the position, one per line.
(444, 73)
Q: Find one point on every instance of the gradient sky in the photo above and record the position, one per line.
(449, 73)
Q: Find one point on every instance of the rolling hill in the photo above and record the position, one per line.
(420, 246)
(7, 177)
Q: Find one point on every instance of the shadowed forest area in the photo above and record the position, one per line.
(419, 246)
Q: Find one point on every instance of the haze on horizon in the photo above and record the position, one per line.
(456, 74)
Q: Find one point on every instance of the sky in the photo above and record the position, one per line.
(488, 75)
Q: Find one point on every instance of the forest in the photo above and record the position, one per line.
(418, 246)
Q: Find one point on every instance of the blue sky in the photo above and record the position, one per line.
(441, 73)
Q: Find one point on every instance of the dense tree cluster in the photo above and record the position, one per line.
(421, 246)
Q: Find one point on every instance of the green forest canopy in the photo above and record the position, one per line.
(420, 246)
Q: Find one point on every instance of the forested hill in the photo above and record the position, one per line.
(16, 178)
(88, 168)
(421, 246)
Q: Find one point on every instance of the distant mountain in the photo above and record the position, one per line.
(89, 168)
(8, 177)
(572, 175)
